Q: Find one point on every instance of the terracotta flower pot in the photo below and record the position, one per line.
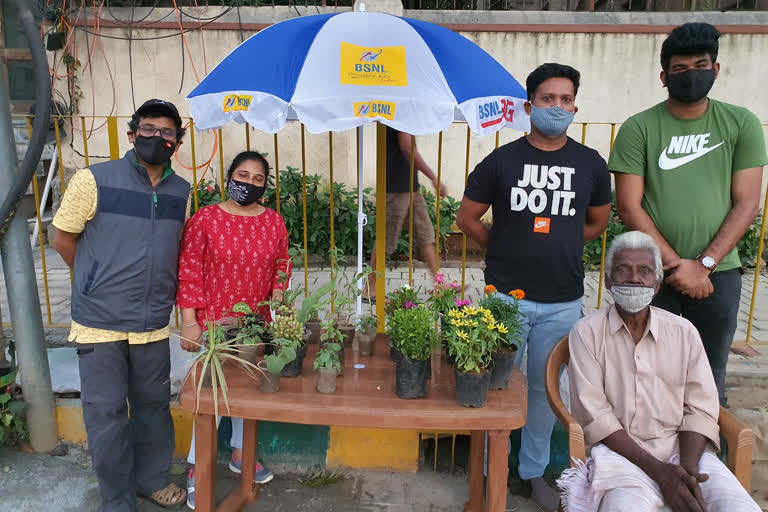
(250, 353)
(326, 380)
(472, 388)
(270, 383)
(366, 343)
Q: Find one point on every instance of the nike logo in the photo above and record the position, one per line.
(540, 224)
(668, 163)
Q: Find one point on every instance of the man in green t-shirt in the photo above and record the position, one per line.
(688, 172)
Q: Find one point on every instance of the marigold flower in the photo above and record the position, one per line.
(518, 294)
(490, 289)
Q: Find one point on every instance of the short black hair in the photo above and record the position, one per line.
(690, 39)
(249, 155)
(155, 108)
(551, 70)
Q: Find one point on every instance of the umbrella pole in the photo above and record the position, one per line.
(362, 220)
(381, 219)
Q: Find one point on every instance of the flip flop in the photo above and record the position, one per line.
(371, 300)
(169, 491)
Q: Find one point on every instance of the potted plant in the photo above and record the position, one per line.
(404, 297)
(250, 332)
(327, 366)
(291, 333)
(208, 364)
(315, 325)
(473, 335)
(331, 335)
(367, 335)
(284, 353)
(411, 332)
(507, 314)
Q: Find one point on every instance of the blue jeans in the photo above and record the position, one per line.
(543, 326)
(236, 441)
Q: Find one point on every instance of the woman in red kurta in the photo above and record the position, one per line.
(231, 252)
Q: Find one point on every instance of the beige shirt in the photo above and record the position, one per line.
(653, 389)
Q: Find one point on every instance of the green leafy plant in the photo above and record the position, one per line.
(507, 314)
(208, 193)
(252, 330)
(402, 297)
(286, 326)
(328, 357)
(443, 295)
(331, 333)
(750, 243)
(368, 324)
(473, 334)
(285, 352)
(12, 427)
(411, 331)
(215, 351)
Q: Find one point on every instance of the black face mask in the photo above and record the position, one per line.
(244, 193)
(690, 86)
(153, 150)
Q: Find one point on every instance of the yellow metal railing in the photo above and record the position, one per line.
(380, 199)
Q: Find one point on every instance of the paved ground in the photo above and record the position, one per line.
(34, 483)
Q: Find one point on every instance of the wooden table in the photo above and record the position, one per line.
(364, 398)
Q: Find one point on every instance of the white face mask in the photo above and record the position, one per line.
(632, 298)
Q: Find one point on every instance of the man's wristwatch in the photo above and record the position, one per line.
(708, 262)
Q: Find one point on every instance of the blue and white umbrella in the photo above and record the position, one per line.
(340, 71)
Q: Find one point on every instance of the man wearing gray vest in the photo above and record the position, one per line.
(119, 228)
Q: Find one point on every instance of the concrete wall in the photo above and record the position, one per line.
(619, 77)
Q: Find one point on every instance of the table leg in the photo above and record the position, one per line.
(248, 491)
(205, 462)
(476, 455)
(498, 470)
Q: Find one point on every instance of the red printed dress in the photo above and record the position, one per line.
(226, 259)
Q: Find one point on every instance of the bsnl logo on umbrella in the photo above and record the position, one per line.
(235, 102)
(384, 65)
(385, 109)
(494, 112)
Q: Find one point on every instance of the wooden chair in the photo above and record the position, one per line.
(738, 436)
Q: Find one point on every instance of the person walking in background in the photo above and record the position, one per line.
(231, 252)
(688, 173)
(548, 194)
(398, 202)
(118, 229)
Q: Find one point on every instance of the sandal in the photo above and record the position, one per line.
(165, 497)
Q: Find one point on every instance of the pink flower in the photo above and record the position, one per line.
(439, 277)
(459, 303)
(409, 304)
(209, 188)
(455, 286)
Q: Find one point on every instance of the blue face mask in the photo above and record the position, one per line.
(551, 121)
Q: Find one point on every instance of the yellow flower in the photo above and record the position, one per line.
(453, 313)
(490, 289)
(455, 322)
(473, 323)
(470, 310)
(503, 329)
(484, 311)
(462, 335)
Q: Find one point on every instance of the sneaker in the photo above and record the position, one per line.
(191, 489)
(542, 494)
(261, 475)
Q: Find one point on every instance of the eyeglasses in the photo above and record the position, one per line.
(148, 130)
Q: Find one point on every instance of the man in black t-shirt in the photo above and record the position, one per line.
(548, 194)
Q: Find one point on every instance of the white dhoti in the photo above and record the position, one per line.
(608, 482)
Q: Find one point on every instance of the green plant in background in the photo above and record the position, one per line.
(208, 193)
(12, 427)
(411, 331)
(328, 357)
(749, 244)
(368, 324)
(331, 334)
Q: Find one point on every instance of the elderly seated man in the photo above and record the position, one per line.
(643, 391)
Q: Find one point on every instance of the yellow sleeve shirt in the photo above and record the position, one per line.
(78, 206)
